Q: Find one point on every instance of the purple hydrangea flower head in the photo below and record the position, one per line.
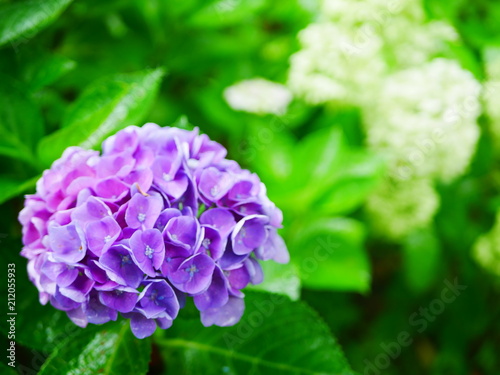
(160, 216)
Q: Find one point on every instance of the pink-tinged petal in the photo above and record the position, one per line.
(93, 209)
(125, 140)
(165, 169)
(141, 177)
(143, 211)
(243, 190)
(102, 234)
(68, 243)
(80, 183)
(174, 188)
(214, 184)
(111, 189)
(62, 273)
(115, 165)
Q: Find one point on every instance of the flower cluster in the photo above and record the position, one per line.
(258, 96)
(397, 208)
(330, 68)
(424, 119)
(160, 216)
(346, 54)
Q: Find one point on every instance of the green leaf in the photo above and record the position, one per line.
(105, 107)
(354, 181)
(275, 336)
(328, 174)
(112, 350)
(442, 9)
(319, 155)
(46, 71)
(182, 122)
(6, 370)
(38, 327)
(223, 12)
(329, 254)
(422, 256)
(316, 160)
(9, 187)
(26, 18)
(21, 124)
(273, 160)
(11, 146)
(279, 278)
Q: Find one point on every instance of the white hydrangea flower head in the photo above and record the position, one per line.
(355, 44)
(426, 41)
(398, 208)
(424, 120)
(258, 96)
(331, 67)
(486, 250)
(376, 12)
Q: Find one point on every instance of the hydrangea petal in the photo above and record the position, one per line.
(216, 295)
(119, 266)
(121, 299)
(102, 234)
(225, 316)
(148, 250)
(194, 274)
(214, 184)
(67, 243)
(249, 233)
(219, 218)
(143, 210)
(141, 326)
(157, 299)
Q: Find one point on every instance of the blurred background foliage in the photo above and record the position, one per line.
(73, 72)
